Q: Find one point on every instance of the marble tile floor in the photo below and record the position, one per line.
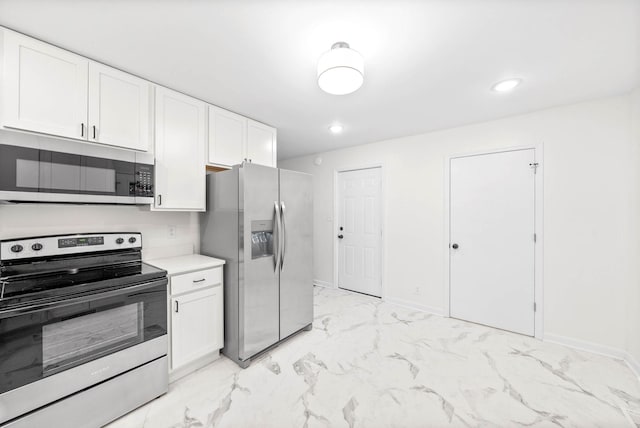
(373, 364)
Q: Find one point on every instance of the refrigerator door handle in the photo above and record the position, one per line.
(276, 234)
(284, 234)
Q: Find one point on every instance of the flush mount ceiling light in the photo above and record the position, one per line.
(506, 85)
(340, 70)
(336, 129)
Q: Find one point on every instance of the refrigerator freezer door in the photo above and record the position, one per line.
(258, 283)
(296, 275)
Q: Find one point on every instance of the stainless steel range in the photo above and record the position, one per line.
(83, 330)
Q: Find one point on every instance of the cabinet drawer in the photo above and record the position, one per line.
(196, 280)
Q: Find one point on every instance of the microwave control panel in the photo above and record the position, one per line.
(144, 181)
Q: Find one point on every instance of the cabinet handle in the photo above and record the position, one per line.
(159, 200)
(94, 132)
(82, 129)
(198, 280)
(177, 306)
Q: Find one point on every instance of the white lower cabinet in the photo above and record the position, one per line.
(195, 311)
(196, 325)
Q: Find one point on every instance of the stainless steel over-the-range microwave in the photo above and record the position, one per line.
(35, 175)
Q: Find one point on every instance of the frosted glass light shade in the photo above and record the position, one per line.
(340, 70)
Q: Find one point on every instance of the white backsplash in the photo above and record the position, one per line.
(24, 220)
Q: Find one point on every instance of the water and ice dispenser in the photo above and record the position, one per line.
(261, 238)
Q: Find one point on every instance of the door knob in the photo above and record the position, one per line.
(454, 246)
(340, 236)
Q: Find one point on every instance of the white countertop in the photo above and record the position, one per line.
(184, 264)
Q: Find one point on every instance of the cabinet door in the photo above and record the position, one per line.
(196, 325)
(118, 108)
(261, 143)
(180, 152)
(45, 88)
(227, 137)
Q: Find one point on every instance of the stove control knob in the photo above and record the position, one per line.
(17, 248)
(132, 240)
(119, 241)
(36, 247)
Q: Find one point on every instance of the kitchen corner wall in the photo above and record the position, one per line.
(23, 220)
(591, 193)
(633, 301)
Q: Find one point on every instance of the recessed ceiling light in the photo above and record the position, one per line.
(506, 85)
(336, 129)
(340, 70)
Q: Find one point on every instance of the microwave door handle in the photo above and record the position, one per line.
(276, 236)
(80, 299)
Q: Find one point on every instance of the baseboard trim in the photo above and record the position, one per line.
(595, 348)
(323, 283)
(413, 305)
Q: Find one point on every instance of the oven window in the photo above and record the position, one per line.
(66, 342)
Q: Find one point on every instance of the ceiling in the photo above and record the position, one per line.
(428, 64)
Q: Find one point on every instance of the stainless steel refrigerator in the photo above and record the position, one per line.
(260, 220)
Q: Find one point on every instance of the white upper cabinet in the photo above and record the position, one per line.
(118, 108)
(227, 137)
(234, 139)
(45, 88)
(261, 143)
(179, 151)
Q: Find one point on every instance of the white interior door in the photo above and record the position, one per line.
(359, 231)
(492, 225)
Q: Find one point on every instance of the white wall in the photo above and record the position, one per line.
(23, 220)
(589, 194)
(633, 301)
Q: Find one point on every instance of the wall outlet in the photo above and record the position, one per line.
(172, 231)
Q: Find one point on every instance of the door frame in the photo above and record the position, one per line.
(336, 255)
(539, 229)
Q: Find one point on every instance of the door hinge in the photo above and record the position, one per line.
(534, 165)
(535, 307)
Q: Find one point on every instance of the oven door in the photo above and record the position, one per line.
(53, 349)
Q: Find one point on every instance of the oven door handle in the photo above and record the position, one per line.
(19, 310)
